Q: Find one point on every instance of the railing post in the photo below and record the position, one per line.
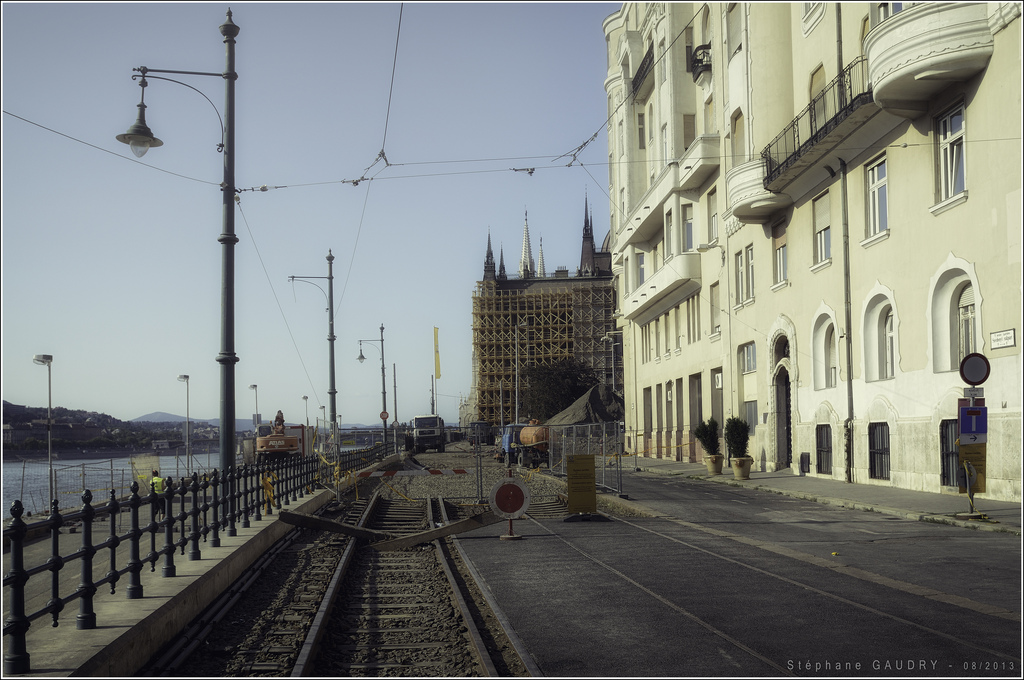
(215, 484)
(231, 481)
(56, 562)
(113, 510)
(194, 553)
(17, 660)
(256, 473)
(135, 538)
(168, 569)
(86, 619)
(182, 515)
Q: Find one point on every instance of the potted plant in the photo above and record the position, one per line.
(707, 434)
(737, 439)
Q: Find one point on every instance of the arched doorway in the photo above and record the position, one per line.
(783, 419)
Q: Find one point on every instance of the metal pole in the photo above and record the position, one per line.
(383, 392)
(227, 357)
(331, 390)
(49, 427)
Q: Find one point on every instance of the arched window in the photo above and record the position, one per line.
(824, 359)
(831, 369)
(887, 360)
(965, 312)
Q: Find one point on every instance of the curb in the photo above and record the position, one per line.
(851, 504)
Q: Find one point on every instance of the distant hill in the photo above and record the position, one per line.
(241, 424)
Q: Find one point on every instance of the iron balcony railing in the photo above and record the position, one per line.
(841, 97)
(700, 61)
(643, 70)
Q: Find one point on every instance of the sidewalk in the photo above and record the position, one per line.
(917, 505)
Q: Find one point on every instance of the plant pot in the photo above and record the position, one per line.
(714, 464)
(741, 467)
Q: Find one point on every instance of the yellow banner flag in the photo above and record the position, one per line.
(437, 357)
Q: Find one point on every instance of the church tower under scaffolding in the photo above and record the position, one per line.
(539, 319)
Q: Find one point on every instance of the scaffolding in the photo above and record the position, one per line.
(540, 321)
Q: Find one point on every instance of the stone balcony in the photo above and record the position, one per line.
(678, 279)
(749, 201)
(917, 52)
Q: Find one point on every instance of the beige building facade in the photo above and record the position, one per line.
(815, 215)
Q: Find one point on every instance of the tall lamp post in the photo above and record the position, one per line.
(140, 138)
(47, 360)
(305, 403)
(188, 427)
(256, 416)
(383, 384)
(331, 390)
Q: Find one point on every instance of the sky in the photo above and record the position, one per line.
(112, 265)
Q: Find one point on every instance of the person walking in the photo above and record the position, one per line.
(158, 485)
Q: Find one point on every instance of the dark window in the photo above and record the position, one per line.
(823, 437)
(949, 451)
(878, 450)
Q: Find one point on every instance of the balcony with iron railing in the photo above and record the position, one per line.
(642, 71)
(835, 114)
(700, 61)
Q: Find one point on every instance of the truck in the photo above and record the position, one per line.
(428, 433)
(270, 445)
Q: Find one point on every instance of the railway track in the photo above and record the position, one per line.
(327, 604)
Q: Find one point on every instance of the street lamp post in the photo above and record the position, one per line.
(188, 427)
(383, 385)
(305, 403)
(140, 138)
(47, 360)
(256, 416)
(332, 392)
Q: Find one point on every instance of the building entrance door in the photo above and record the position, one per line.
(783, 419)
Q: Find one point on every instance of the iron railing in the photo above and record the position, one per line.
(190, 511)
(841, 97)
(878, 450)
(601, 440)
(642, 71)
(700, 61)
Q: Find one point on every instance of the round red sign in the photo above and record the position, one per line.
(510, 498)
(383, 415)
(974, 369)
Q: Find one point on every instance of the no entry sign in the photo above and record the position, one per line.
(510, 499)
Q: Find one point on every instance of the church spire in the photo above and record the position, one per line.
(526, 265)
(587, 256)
(501, 266)
(540, 260)
(489, 260)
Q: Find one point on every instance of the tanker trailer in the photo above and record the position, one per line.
(533, 445)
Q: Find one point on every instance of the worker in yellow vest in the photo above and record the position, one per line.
(158, 488)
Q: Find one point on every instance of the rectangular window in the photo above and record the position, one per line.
(734, 27)
(822, 232)
(693, 319)
(662, 62)
(687, 228)
(712, 216)
(639, 270)
(949, 432)
(878, 198)
(622, 140)
(713, 295)
(641, 135)
(739, 271)
(823, 441)
(664, 144)
(951, 153)
(887, 9)
(750, 272)
(750, 415)
(781, 273)
(878, 450)
(670, 236)
(749, 357)
(679, 327)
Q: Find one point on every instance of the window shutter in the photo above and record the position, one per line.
(822, 212)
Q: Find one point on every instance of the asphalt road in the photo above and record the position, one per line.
(737, 582)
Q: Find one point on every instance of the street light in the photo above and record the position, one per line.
(383, 385)
(47, 360)
(606, 338)
(140, 138)
(305, 403)
(331, 390)
(256, 416)
(188, 427)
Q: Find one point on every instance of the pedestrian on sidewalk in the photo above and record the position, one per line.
(158, 486)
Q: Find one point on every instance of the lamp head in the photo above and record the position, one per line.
(361, 358)
(183, 378)
(252, 387)
(43, 359)
(139, 137)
